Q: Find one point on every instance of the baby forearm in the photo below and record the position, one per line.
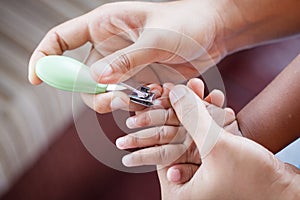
(272, 117)
(249, 23)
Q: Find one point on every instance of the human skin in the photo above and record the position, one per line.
(275, 121)
(128, 35)
(235, 167)
(272, 117)
(168, 142)
(220, 27)
(274, 124)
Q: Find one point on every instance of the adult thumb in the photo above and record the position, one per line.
(193, 115)
(124, 63)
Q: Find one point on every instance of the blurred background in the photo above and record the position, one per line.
(29, 116)
(40, 153)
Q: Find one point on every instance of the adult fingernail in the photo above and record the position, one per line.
(118, 103)
(174, 175)
(131, 122)
(177, 93)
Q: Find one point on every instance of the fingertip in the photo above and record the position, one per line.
(181, 173)
(197, 86)
(156, 89)
(127, 161)
(173, 175)
(32, 77)
(195, 82)
(216, 97)
(218, 92)
(230, 111)
(120, 143)
(131, 122)
(34, 80)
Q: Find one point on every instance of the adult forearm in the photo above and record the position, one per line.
(249, 23)
(272, 117)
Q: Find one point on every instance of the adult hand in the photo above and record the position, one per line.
(232, 167)
(127, 36)
(187, 35)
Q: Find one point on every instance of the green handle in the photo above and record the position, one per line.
(68, 74)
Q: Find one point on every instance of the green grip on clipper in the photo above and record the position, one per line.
(68, 74)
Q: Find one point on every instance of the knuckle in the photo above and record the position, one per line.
(158, 134)
(122, 64)
(165, 133)
(131, 140)
(167, 115)
(171, 118)
(54, 37)
(144, 119)
(161, 135)
(125, 62)
(163, 154)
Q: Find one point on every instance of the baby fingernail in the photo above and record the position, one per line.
(120, 142)
(126, 160)
(118, 103)
(131, 122)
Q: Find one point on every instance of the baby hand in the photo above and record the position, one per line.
(167, 141)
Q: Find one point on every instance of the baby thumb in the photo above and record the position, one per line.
(193, 115)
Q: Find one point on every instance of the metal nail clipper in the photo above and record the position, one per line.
(141, 95)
